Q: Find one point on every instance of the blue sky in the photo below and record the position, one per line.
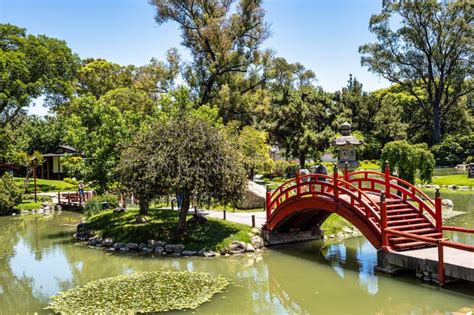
(324, 35)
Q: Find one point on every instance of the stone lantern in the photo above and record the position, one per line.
(347, 144)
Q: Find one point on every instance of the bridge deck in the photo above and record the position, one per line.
(458, 264)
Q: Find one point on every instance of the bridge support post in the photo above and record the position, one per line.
(383, 221)
(267, 203)
(335, 175)
(438, 212)
(298, 181)
(441, 277)
(387, 179)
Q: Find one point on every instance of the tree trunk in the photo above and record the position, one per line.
(183, 213)
(436, 124)
(302, 159)
(143, 206)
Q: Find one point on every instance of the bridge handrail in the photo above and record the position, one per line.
(343, 185)
(399, 180)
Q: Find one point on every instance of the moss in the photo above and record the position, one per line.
(162, 224)
(140, 293)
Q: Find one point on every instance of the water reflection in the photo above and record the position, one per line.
(38, 259)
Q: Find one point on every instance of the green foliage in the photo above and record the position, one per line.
(429, 54)
(409, 159)
(10, 194)
(454, 150)
(32, 66)
(145, 292)
(73, 166)
(279, 168)
(100, 204)
(458, 180)
(203, 163)
(162, 225)
(44, 185)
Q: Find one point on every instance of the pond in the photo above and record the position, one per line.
(39, 259)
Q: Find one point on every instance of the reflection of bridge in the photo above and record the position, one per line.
(391, 213)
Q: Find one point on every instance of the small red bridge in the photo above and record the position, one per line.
(395, 216)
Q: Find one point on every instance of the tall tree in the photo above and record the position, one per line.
(431, 51)
(30, 67)
(224, 40)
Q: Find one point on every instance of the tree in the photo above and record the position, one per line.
(303, 126)
(252, 143)
(10, 194)
(203, 164)
(224, 40)
(409, 159)
(431, 51)
(30, 67)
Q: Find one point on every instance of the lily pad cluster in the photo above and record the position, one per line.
(140, 293)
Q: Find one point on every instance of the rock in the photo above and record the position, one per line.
(331, 236)
(256, 231)
(124, 249)
(159, 249)
(347, 230)
(254, 196)
(169, 248)
(47, 208)
(257, 242)
(447, 203)
(141, 246)
(84, 234)
(147, 250)
(107, 242)
(161, 243)
(151, 243)
(94, 241)
(117, 246)
(189, 253)
(340, 235)
(176, 255)
(119, 210)
(209, 254)
(178, 248)
(140, 219)
(132, 246)
(201, 252)
(249, 248)
(237, 247)
(45, 204)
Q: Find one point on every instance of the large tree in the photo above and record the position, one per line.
(185, 155)
(223, 39)
(30, 67)
(431, 52)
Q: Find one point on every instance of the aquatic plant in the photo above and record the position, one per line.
(139, 293)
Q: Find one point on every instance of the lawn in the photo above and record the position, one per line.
(458, 179)
(161, 225)
(334, 224)
(45, 185)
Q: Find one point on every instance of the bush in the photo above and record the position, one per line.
(71, 181)
(280, 167)
(100, 203)
(291, 170)
(10, 195)
(454, 150)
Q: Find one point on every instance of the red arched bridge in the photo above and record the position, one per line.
(391, 213)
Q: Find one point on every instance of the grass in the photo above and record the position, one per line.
(334, 224)
(162, 224)
(45, 185)
(139, 293)
(457, 179)
(28, 205)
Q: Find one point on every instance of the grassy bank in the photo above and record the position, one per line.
(45, 185)
(334, 224)
(457, 179)
(161, 225)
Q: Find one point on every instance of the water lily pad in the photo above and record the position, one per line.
(139, 293)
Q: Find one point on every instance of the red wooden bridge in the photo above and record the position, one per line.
(391, 213)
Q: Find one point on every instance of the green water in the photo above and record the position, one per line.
(38, 259)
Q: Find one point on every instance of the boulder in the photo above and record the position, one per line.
(107, 242)
(340, 235)
(119, 210)
(147, 250)
(209, 254)
(140, 219)
(189, 253)
(124, 249)
(254, 196)
(159, 249)
(141, 246)
(169, 248)
(347, 230)
(178, 248)
(132, 246)
(249, 248)
(257, 241)
(94, 241)
(197, 220)
(447, 203)
(256, 231)
(237, 247)
(117, 245)
(45, 204)
(151, 243)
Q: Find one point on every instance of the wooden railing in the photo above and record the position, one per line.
(74, 197)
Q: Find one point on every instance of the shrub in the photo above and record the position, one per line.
(10, 195)
(70, 181)
(280, 167)
(453, 150)
(291, 170)
(100, 203)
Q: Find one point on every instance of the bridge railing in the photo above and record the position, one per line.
(323, 185)
(393, 186)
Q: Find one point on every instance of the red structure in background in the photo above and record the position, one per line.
(391, 213)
